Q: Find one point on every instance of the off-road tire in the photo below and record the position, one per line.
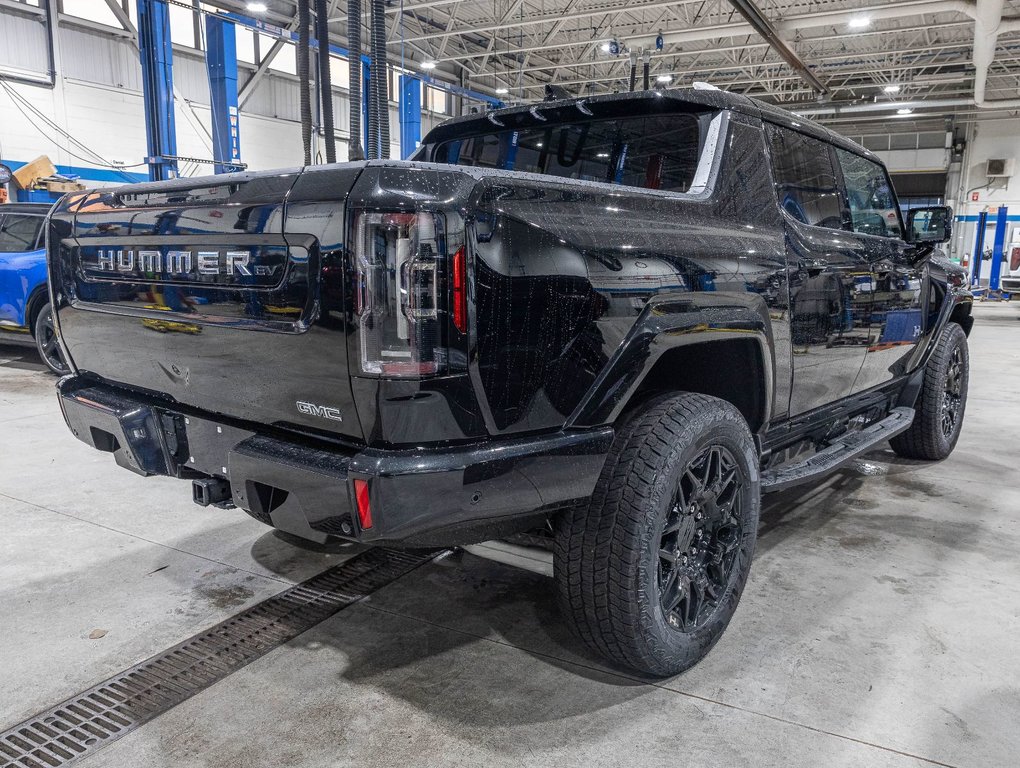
(46, 341)
(931, 436)
(607, 553)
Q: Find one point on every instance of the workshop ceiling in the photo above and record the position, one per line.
(858, 51)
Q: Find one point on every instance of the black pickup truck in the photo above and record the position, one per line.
(618, 319)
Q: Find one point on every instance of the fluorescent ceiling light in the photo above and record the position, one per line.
(502, 91)
(893, 88)
(605, 47)
(859, 22)
(429, 65)
(257, 7)
(664, 79)
(904, 111)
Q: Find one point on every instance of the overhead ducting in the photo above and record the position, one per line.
(378, 96)
(304, 80)
(325, 78)
(354, 83)
(988, 25)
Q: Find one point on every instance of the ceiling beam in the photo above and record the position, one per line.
(752, 15)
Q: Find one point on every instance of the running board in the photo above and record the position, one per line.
(839, 452)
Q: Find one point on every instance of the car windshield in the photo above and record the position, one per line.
(658, 151)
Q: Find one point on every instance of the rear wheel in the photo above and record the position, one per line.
(940, 405)
(46, 341)
(651, 570)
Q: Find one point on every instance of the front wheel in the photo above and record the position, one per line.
(651, 570)
(46, 341)
(938, 412)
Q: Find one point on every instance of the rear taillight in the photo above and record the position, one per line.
(459, 297)
(398, 266)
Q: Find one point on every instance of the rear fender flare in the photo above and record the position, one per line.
(669, 322)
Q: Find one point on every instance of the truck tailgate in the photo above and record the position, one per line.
(225, 293)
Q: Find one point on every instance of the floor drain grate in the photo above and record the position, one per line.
(84, 723)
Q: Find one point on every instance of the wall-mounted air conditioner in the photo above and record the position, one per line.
(999, 167)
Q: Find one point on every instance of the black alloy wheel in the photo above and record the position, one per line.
(942, 401)
(47, 343)
(699, 540)
(952, 397)
(651, 570)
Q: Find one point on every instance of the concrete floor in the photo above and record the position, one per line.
(879, 627)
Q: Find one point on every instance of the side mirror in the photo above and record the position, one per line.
(929, 225)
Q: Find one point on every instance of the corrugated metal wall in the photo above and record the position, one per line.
(23, 42)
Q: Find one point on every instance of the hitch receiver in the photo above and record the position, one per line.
(212, 491)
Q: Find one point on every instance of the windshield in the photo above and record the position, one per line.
(658, 151)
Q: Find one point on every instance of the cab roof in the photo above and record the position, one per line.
(628, 104)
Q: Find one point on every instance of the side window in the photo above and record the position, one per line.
(18, 232)
(873, 208)
(805, 179)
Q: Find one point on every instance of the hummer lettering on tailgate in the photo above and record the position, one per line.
(178, 262)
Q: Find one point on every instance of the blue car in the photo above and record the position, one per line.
(24, 302)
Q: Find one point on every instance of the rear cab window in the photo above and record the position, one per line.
(662, 151)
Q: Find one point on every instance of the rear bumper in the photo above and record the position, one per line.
(439, 496)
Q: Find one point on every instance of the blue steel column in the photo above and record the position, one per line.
(156, 55)
(366, 83)
(979, 247)
(410, 115)
(221, 64)
(997, 249)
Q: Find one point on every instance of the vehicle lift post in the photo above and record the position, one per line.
(410, 114)
(156, 54)
(998, 248)
(221, 65)
(979, 246)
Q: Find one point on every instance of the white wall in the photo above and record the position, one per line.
(98, 100)
(915, 159)
(991, 139)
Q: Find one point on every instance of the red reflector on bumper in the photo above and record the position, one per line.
(364, 510)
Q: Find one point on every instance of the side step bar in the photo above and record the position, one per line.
(839, 452)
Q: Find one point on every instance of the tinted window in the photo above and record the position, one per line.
(805, 179)
(19, 232)
(872, 203)
(654, 152)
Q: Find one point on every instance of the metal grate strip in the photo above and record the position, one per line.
(76, 728)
